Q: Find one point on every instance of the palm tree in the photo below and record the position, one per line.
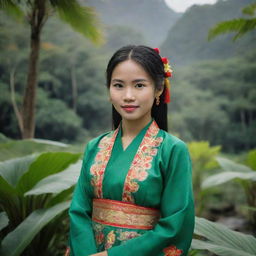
(241, 26)
(36, 12)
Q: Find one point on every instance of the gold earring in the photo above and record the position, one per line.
(157, 100)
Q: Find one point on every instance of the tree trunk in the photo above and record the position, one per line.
(15, 107)
(74, 87)
(37, 20)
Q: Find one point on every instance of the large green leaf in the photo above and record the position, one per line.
(50, 142)
(12, 170)
(6, 188)
(240, 26)
(3, 220)
(65, 195)
(232, 171)
(46, 164)
(223, 177)
(56, 183)
(18, 148)
(220, 236)
(232, 166)
(217, 249)
(251, 159)
(16, 241)
(81, 18)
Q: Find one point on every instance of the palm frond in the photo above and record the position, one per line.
(241, 26)
(12, 9)
(250, 9)
(81, 18)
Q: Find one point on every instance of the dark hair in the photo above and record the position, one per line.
(152, 63)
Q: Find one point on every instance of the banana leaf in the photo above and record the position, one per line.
(17, 240)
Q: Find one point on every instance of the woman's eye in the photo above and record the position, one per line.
(118, 85)
(139, 85)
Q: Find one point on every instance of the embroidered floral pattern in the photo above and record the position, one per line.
(106, 238)
(172, 251)
(99, 237)
(111, 238)
(141, 162)
(126, 235)
(97, 169)
(98, 233)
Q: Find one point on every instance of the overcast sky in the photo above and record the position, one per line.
(182, 5)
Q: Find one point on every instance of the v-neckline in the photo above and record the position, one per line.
(104, 156)
(137, 138)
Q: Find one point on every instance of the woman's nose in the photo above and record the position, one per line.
(129, 94)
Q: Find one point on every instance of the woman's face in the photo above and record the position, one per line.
(132, 91)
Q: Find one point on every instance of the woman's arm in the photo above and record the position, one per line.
(81, 237)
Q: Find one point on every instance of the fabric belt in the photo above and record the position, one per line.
(124, 215)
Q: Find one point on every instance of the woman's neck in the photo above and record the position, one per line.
(130, 128)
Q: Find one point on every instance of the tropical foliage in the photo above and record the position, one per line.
(34, 197)
(242, 174)
(203, 160)
(222, 241)
(240, 26)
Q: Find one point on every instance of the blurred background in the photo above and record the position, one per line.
(60, 98)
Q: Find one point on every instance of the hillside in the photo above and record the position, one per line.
(152, 18)
(187, 39)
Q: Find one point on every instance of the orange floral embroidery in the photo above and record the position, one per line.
(111, 237)
(98, 168)
(141, 162)
(172, 251)
(99, 237)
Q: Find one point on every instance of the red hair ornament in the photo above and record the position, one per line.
(167, 73)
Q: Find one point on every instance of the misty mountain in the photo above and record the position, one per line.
(187, 39)
(150, 18)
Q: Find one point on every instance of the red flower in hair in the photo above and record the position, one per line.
(164, 60)
(168, 74)
(157, 50)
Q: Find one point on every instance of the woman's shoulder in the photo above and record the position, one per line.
(95, 141)
(171, 140)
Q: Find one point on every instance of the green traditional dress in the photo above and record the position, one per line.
(153, 173)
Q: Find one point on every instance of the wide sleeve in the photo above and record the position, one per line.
(172, 234)
(81, 237)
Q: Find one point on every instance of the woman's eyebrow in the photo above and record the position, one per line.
(134, 81)
(117, 80)
(140, 80)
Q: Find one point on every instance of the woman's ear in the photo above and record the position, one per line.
(159, 91)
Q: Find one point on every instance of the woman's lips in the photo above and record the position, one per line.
(129, 109)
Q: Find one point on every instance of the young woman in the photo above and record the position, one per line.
(134, 195)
